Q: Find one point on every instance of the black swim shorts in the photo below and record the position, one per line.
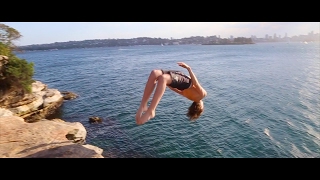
(179, 80)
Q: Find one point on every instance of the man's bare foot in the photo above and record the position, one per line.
(140, 111)
(146, 117)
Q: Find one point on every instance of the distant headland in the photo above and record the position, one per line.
(196, 40)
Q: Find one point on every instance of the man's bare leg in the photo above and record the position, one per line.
(150, 85)
(161, 87)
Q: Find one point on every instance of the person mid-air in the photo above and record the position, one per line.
(187, 86)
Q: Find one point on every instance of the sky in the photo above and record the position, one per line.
(50, 32)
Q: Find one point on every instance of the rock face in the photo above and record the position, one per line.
(26, 133)
(44, 139)
(68, 95)
(5, 112)
(39, 104)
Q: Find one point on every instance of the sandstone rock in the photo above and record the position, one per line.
(6, 112)
(39, 104)
(38, 86)
(52, 96)
(10, 98)
(43, 112)
(25, 133)
(2, 57)
(44, 139)
(57, 120)
(22, 108)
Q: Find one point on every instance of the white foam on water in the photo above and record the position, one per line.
(248, 121)
(267, 132)
(290, 123)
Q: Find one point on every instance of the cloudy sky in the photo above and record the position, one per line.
(50, 32)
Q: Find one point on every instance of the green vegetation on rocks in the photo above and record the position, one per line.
(16, 73)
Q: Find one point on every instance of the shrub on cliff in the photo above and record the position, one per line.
(17, 73)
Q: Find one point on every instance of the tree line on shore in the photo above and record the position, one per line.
(210, 40)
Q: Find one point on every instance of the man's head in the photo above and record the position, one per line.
(195, 110)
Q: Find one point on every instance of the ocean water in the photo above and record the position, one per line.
(263, 99)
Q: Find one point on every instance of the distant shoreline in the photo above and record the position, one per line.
(198, 40)
(227, 43)
(46, 47)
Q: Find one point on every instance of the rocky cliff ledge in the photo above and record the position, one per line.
(39, 104)
(44, 139)
(26, 133)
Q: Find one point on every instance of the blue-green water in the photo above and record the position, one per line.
(263, 99)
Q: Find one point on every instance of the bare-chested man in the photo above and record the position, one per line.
(187, 86)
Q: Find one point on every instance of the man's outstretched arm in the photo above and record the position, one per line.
(194, 79)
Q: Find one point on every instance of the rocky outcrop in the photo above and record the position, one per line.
(69, 95)
(39, 104)
(44, 139)
(5, 112)
(95, 119)
(2, 57)
(26, 133)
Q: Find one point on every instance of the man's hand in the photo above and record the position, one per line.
(184, 65)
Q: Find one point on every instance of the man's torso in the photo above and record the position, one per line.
(192, 94)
